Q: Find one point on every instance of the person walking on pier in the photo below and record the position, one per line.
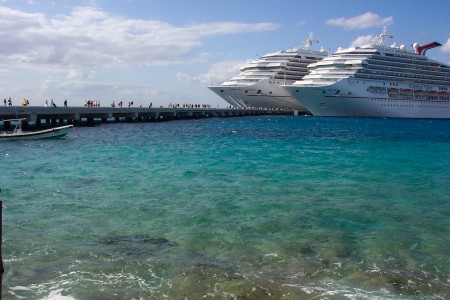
(65, 103)
(4, 101)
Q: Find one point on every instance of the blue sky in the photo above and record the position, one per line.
(170, 51)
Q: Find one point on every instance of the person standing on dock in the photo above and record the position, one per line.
(65, 103)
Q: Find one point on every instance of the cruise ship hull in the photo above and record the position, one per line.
(351, 98)
(260, 95)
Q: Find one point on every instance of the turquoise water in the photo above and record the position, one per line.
(244, 208)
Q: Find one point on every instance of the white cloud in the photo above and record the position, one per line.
(78, 74)
(89, 37)
(446, 47)
(218, 73)
(363, 21)
(62, 56)
(362, 40)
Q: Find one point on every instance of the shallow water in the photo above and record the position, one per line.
(251, 207)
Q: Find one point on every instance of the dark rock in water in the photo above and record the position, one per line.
(137, 239)
(307, 250)
(136, 246)
(344, 252)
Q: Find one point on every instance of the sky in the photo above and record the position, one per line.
(170, 51)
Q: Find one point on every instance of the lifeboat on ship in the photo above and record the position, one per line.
(443, 96)
(432, 95)
(393, 93)
(408, 93)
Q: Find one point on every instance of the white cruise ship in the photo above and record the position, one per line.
(375, 80)
(258, 83)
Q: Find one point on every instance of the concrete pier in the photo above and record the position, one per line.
(45, 116)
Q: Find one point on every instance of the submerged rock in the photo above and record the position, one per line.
(136, 246)
(137, 239)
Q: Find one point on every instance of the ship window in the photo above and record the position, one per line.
(246, 91)
(270, 92)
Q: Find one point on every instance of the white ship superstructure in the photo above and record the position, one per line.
(258, 83)
(376, 81)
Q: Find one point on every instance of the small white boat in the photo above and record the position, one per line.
(18, 134)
